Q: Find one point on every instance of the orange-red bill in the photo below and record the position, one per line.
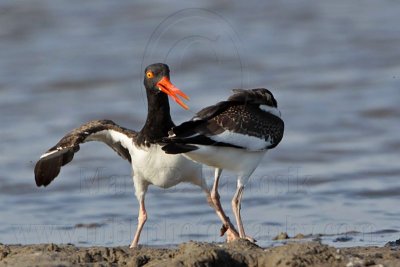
(167, 87)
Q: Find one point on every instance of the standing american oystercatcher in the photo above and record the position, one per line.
(150, 164)
(232, 135)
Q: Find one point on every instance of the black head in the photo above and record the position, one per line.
(153, 74)
(156, 81)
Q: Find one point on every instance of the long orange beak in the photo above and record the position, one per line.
(167, 87)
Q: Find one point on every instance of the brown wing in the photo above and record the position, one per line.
(118, 138)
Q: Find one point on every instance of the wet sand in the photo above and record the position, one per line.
(239, 253)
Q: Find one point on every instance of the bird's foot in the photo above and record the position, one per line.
(223, 230)
(133, 245)
(231, 235)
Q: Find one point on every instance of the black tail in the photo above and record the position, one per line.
(186, 129)
(174, 148)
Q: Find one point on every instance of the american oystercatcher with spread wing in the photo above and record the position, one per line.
(232, 135)
(150, 164)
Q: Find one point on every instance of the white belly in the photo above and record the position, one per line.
(158, 168)
(237, 160)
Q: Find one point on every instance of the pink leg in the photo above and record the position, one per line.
(232, 234)
(236, 203)
(141, 220)
(236, 210)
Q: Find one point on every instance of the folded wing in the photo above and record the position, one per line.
(249, 119)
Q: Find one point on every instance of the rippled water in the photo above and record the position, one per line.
(333, 67)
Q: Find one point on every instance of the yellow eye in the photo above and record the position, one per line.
(149, 74)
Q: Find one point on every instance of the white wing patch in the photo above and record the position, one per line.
(251, 143)
(271, 110)
(111, 137)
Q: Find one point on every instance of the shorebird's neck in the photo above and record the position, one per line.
(158, 121)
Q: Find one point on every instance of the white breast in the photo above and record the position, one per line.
(164, 170)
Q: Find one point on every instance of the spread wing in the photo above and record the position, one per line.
(118, 138)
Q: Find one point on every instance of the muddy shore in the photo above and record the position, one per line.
(240, 253)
